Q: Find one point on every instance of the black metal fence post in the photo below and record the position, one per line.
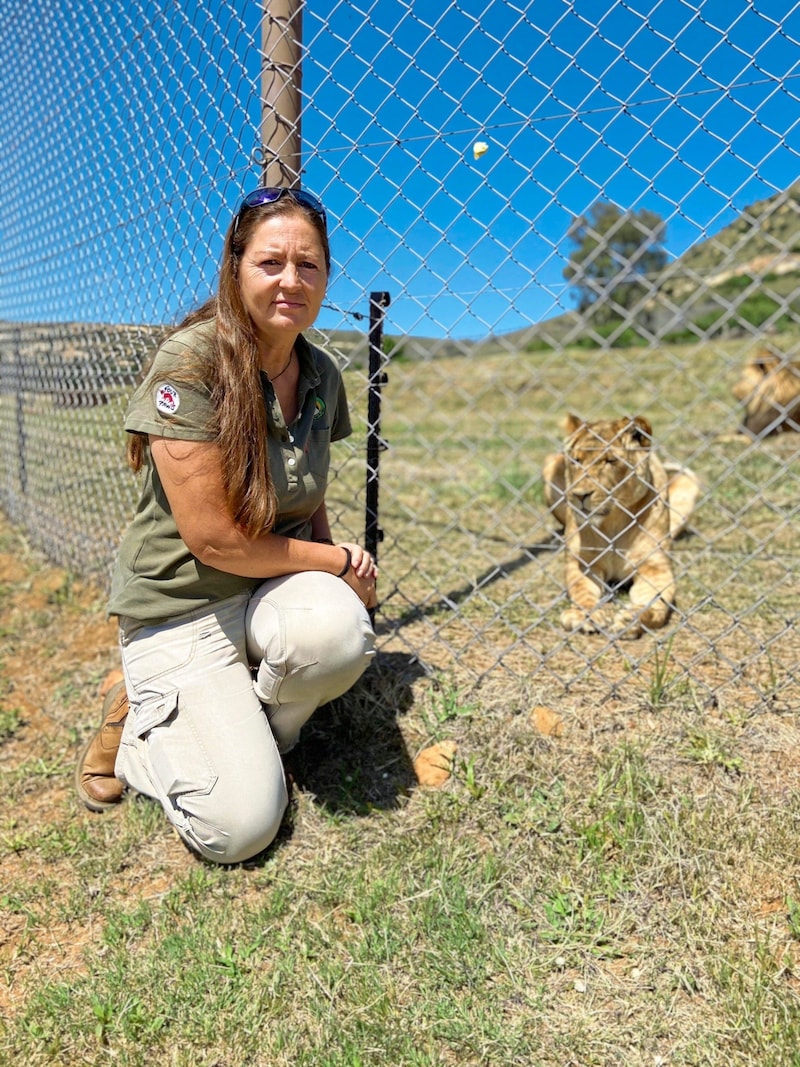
(373, 534)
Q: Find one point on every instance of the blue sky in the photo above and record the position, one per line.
(131, 129)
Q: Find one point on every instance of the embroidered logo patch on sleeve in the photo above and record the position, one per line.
(167, 399)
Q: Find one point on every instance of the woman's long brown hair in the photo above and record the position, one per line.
(240, 421)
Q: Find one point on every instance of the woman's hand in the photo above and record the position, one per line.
(361, 561)
(362, 574)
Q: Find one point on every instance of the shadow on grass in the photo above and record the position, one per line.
(351, 755)
(451, 599)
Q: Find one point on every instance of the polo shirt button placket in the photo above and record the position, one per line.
(291, 472)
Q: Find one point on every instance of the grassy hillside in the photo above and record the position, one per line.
(767, 233)
(746, 277)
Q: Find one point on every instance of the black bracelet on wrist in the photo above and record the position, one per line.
(346, 568)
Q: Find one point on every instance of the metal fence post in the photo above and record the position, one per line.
(281, 82)
(378, 302)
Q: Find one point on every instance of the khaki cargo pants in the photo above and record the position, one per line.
(205, 732)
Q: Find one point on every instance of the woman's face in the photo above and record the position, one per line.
(282, 277)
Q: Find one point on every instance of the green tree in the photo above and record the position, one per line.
(616, 256)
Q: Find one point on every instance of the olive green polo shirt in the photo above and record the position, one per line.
(156, 576)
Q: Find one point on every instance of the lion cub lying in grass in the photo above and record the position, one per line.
(613, 495)
(769, 390)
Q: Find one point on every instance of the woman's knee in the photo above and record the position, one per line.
(216, 770)
(309, 618)
(230, 829)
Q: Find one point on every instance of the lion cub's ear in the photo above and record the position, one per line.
(641, 431)
(766, 362)
(571, 424)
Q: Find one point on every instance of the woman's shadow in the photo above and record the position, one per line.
(351, 755)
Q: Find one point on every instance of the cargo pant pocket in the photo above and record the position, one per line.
(268, 680)
(178, 760)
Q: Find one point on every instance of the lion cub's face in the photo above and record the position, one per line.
(607, 465)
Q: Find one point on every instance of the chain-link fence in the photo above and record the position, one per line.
(571, 211)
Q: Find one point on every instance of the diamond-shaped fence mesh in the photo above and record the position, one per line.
(572, 211)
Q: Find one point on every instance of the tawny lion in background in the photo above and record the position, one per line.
(769, 389)
(612, 494)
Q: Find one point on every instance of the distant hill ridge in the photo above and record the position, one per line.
(763, 240)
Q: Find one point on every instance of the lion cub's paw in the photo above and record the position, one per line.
(577, 620)
(626, 626)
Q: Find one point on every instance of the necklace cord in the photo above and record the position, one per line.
(281, 372)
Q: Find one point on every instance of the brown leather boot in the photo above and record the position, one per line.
(94, 776)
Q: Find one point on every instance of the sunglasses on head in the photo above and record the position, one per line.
(270, 195)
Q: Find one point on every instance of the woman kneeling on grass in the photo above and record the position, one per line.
(238, 616)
